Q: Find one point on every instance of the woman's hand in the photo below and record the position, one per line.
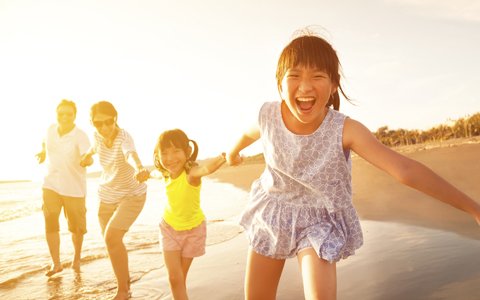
(142, 174)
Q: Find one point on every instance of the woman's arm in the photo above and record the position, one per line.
(141, 173)
(407, 171)
(86, 159)
(248, 138)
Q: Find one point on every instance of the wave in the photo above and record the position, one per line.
(16, 278)
(14, 181)
(18, 212)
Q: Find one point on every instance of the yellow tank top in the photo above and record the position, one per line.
(183, 211)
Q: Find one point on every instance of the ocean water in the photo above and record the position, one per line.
(24, 256)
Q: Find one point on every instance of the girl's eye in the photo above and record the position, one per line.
(320, 75)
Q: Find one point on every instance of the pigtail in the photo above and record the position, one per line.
(191, 161)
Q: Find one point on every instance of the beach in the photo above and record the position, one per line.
(414, 246)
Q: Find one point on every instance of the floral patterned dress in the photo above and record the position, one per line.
(304, 197)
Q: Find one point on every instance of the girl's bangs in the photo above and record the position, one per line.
(173, 139)
(311, 52)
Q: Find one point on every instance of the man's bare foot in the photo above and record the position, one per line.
(54, 269)
(76, 266)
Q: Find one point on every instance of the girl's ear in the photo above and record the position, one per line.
(189, 152)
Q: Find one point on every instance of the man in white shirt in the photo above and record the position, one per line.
(65, 183)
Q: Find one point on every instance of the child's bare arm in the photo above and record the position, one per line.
(208, 167)
(248, 138)
(407, 171)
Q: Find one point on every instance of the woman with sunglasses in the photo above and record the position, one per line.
(122, 191)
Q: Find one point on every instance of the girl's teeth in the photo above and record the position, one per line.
(305, 103)
(305, 99)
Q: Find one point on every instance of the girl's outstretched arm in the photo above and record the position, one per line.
(248, 138)
(208, 167)
(407, 171)
(196, 173)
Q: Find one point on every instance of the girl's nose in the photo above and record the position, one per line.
(305, 85)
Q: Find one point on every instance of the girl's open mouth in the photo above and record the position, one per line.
(305, 103)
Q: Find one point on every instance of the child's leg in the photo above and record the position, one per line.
(319, 276)
(262, 276)
(186, 263)
(177, 269)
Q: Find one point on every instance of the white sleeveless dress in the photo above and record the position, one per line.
(304, 197)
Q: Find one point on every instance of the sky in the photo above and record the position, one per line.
(207, 66)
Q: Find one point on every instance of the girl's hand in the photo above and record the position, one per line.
(86, 160)
(142, 175)
(234, 159)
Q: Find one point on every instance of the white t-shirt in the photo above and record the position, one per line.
(65, 175)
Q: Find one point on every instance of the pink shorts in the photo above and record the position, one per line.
(191, 243)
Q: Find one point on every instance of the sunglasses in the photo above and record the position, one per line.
(99, 124)
(68, 114)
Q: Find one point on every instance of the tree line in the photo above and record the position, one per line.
(461, 128)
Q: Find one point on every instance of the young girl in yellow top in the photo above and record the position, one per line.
(183, 227)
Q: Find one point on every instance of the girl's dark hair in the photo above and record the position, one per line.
(311, 51)
(178, 139)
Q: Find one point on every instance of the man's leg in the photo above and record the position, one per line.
(52, 205)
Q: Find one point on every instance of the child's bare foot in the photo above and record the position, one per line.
(122, 295)
(54, 269)
(76, 266)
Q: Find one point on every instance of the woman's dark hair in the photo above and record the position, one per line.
(178, 139)
(103, 107)
(311, 51)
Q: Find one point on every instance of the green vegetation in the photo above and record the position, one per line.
(462, 128)
(467, 127)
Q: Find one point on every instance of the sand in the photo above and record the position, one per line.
(414, 246)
